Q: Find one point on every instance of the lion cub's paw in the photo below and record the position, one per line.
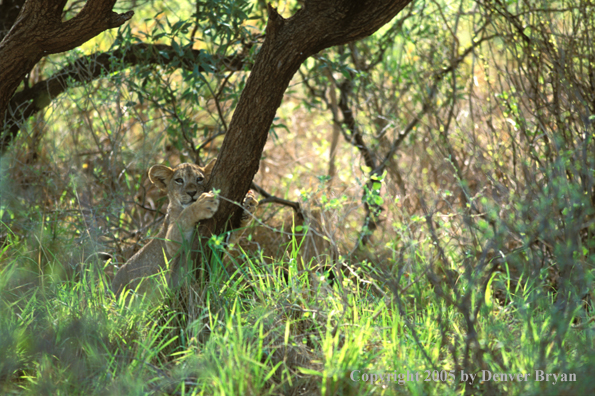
(207, 204)
(250, 203)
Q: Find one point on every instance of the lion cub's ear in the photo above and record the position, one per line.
(160, 176)
(209, 167)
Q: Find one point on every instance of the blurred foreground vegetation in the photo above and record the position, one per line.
(442, 177)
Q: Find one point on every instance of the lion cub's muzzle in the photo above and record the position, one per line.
(192, 196)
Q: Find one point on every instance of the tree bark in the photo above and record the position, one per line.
(40, 31)
(288, 43)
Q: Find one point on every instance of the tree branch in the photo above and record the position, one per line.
(427, 104)
(30, 100)
(39, 31)
(356, 139)
(271, 198)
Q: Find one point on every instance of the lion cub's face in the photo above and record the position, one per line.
(184, 183)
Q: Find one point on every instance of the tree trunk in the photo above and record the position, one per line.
(40, 31)
(318, 25)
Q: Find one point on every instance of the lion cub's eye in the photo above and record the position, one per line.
(199, 179)
(179, 180)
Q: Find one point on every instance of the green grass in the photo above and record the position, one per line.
(269, 333)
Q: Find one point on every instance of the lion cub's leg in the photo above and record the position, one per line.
(250, 203)
(182, 227)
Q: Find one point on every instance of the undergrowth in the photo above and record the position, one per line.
(281, 331)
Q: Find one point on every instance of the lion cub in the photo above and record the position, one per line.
(189, 203)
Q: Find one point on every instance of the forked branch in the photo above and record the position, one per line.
(288, 43)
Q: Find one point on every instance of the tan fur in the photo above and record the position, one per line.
(188, 204)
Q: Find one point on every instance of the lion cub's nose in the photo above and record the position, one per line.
(191, 193)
